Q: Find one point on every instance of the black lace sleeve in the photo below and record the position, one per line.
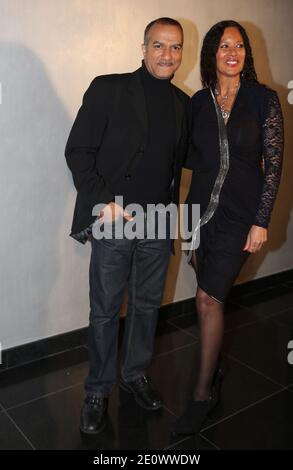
(273, 143)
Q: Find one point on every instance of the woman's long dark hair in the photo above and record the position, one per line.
(209, 49)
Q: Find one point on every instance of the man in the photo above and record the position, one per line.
(128, 140)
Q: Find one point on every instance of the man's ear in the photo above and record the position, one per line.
(143, 48)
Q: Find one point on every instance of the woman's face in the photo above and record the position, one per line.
(230, 55)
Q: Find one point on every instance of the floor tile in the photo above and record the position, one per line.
(289, 283)
(43, 399)
(10, 436)
(197, 443)
(263, 347)
(54, 423)
(177, 382)
(169, 337)
(267, 425)
(284, 318)
(235, 316)
(239, 316)
(33, 380)
(187, 323)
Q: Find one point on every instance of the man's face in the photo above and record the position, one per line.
(163, 52)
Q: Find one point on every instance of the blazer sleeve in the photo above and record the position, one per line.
(84, 141)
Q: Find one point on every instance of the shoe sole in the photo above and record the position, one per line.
(142, 405)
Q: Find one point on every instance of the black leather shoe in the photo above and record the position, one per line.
(93, 417)
(143, 394)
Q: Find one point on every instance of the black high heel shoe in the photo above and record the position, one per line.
(197, 412)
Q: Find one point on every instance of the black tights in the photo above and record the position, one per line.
(211, 325)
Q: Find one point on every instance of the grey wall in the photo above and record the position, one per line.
(49, 52)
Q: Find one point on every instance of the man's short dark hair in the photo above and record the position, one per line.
(163, 20)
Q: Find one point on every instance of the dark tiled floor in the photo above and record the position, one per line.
(40, 402)
(272, 426)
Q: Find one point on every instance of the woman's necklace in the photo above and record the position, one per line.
(225, 111)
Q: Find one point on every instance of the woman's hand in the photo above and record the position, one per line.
(255, 239)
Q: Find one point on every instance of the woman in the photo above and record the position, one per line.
(236, 150)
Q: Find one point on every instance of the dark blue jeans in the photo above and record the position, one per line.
(141, 265)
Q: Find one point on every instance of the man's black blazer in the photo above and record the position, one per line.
(109, 136)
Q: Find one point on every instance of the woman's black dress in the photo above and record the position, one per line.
(254, 133)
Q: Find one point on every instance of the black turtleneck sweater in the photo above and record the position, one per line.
(150, 179)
